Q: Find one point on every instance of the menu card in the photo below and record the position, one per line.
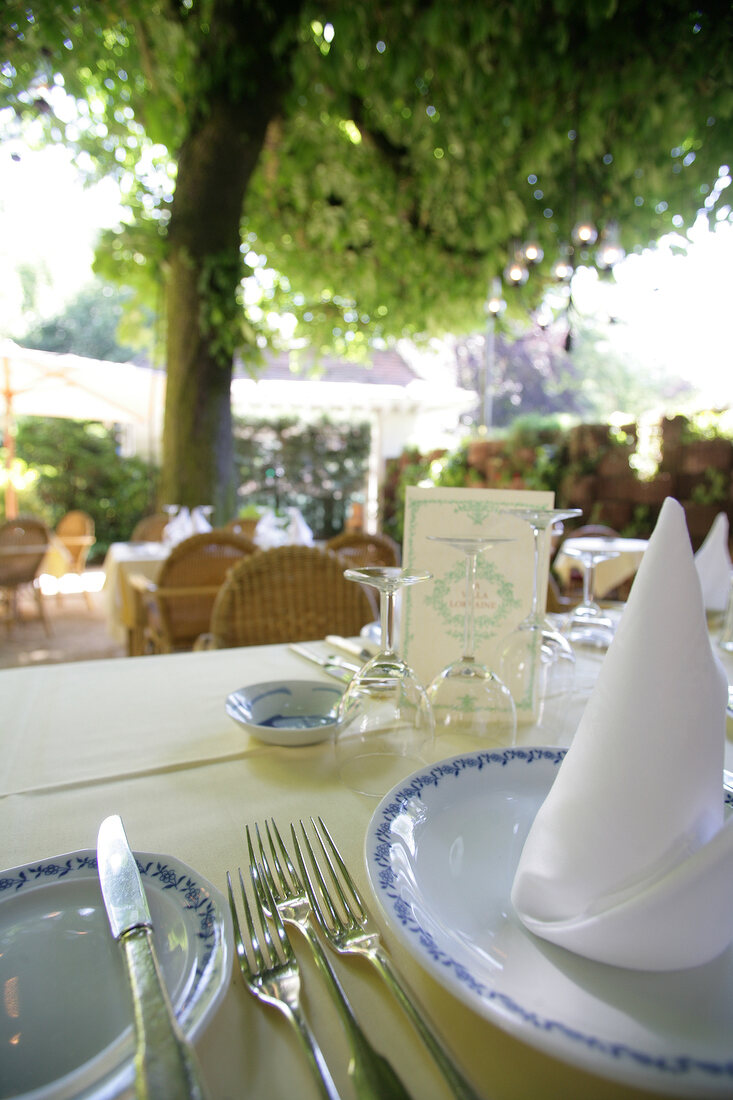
(433, 613)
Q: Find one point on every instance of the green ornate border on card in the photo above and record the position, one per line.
(484, 626)
(479, 512)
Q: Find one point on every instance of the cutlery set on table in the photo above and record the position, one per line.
(281, 894)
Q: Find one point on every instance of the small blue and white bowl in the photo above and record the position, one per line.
(287, 712)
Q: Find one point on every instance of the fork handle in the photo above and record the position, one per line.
(317, 1062)
(460, 1087)
(372, 1074)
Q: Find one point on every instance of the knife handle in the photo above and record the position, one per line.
(165, 1063)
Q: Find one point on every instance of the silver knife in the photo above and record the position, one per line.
(345, 644)
(165, 1064)
(333, 664)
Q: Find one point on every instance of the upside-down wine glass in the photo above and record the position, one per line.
(471, 705)
(535, 660)
(385, 722)
(587, 624)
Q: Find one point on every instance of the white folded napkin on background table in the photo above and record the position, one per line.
(714, 565)
(628, 860)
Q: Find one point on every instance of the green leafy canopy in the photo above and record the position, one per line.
(415, 146)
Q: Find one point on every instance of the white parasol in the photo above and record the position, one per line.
(43, 383)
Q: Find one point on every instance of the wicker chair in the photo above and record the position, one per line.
(76, 531)
(287, 594)
(173, 612)
(23, 544)
(150, 528)
(357, 548)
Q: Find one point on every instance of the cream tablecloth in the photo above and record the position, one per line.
(148, 738)
(610, 573)
(121, 561)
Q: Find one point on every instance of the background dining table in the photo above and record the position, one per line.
(609, 574)
(148, 738)
(122, 560)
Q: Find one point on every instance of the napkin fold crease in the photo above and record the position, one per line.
(713, 565)
(628, 860)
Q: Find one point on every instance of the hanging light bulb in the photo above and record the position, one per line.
(610, 251)
(584, 232)
(516, 273)
(562, 268)
(495, 304)
(532, 252)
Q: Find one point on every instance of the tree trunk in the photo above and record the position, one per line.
(202, 280)
(204, 267)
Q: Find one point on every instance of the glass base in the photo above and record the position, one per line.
(597, 631)
(471, 705)
(373, 772)
(538, 666)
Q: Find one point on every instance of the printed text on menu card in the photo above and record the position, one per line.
(432, 616)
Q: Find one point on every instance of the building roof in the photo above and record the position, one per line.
(386, 368)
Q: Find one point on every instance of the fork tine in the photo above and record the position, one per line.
(297, 884)
(265, 901)
(238, 938)
(345, 874)
(309, 885)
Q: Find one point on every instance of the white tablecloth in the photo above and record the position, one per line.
(610, 573)
(148, 738)
(121, 561)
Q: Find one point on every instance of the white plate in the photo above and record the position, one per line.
(287, 712)
(441, 852)
(66, 1028)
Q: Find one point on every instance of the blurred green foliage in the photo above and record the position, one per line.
(318, 466)
(79, 465)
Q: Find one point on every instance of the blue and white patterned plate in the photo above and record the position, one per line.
(441, 853)
(67, 1026)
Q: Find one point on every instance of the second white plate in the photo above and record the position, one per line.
(67, 1026)
(441, 853)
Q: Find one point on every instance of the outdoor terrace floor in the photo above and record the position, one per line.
(78, 632)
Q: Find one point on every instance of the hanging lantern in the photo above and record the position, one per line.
(495, 304)
(610, 251)
(585, 233)
(532, 252)
(516, 273)
(562, 269)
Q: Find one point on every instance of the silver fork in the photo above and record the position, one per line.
(273, 976)
(347, 927)
(372, 1075)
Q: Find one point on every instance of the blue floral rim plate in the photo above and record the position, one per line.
(67, 1027)
(441, 852)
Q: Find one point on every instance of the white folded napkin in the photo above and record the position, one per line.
(178, 528)
(714, 565)
(199, 522)
(299, 533)
(628, 860)
(271, 531)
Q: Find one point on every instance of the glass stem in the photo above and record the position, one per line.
(535, 595)
(386, 616)
(468, 639)
(588, 582)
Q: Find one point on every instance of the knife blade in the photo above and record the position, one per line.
(333, 664)
(165, 1063)
(364, 652)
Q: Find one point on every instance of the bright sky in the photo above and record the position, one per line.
(677, 309)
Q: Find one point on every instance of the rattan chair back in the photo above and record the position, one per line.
(288, 594)
(23, 544)
(150, 528)
(76, 531)
(357, 549)
(180, 603)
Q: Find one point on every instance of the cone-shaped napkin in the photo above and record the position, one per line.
(714, 565)
(628, 860)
